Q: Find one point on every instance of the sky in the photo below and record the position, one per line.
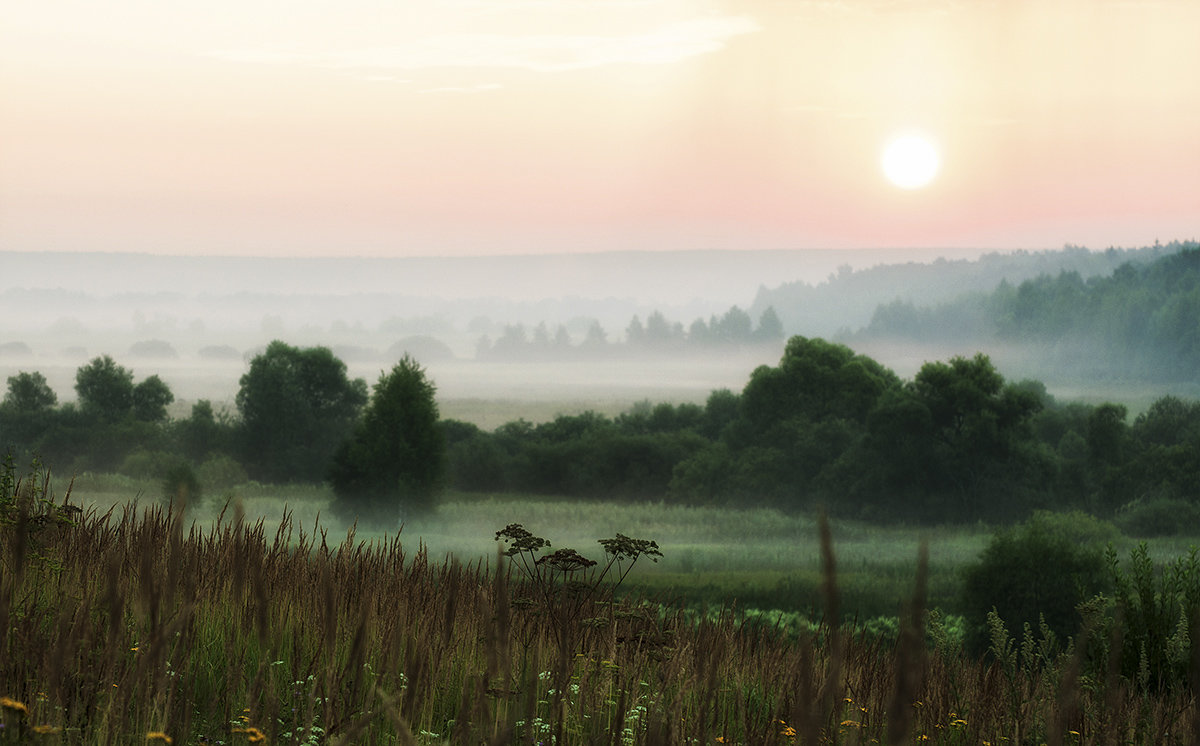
(477, 127)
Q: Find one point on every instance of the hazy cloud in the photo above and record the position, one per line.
(544, 53)
(480, 88)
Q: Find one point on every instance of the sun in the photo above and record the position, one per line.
(910, 161)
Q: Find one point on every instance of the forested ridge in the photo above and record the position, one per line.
(1141, 320)
(847, 300)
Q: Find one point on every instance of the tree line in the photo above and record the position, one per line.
(300, 418)
(1142, 319)
(825, 427)
(657, 334)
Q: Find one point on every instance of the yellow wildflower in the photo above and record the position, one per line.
(9, 703)
(254, 735)
(158, 735)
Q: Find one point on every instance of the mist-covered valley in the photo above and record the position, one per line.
(517, 328)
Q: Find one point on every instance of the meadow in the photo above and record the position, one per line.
(127, 623)
(752, 558)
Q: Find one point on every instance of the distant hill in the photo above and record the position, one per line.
(847, 301)
(1140, 320)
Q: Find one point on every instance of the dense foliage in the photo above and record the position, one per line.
(392, 465)
(1141, 319)
(297, 406)
(825, 427)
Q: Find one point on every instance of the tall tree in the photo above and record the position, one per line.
(296, 405)
(29, 392)
(394, 463)
(105, 389)
(27, 411)
(150, 400)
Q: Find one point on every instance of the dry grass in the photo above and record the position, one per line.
(134, 626)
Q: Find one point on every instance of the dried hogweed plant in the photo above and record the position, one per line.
(564, 584)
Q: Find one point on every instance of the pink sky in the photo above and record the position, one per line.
(514, 126)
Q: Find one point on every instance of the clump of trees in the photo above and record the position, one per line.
(297, 405)
(657, 335)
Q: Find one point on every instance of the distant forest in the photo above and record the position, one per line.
(1140, 321)
(658, 335)
(847, 300)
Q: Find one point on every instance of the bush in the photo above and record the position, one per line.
(1041, 569)
(181, 487)
(1161, 516)
(219, 472)
(144, 464)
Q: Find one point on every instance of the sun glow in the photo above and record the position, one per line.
(910, 161)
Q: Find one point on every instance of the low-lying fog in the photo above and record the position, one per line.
(196, 322)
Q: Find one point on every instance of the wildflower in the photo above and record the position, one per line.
(134, 649)
(158, 735)
(254, 735)
(850, 724)
(788, 731)
(958, 723)
(9, 703)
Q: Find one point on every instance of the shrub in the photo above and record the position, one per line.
(145, 464)
(1041, 569)
(181, 487)
(220, 471)
(1159, 516)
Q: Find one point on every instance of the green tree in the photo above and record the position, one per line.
(955, 444)
(27, 412)
(817, 380)
(150, 400)
(770, 328)
(105, 389)
(29, 393)
(297, 405)
(202, 433)
(394, 464)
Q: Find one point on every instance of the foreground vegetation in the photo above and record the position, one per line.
(134, 625)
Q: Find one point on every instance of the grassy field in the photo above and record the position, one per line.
(755, 558)
(138, 626)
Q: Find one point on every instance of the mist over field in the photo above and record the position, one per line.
(196, 320)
